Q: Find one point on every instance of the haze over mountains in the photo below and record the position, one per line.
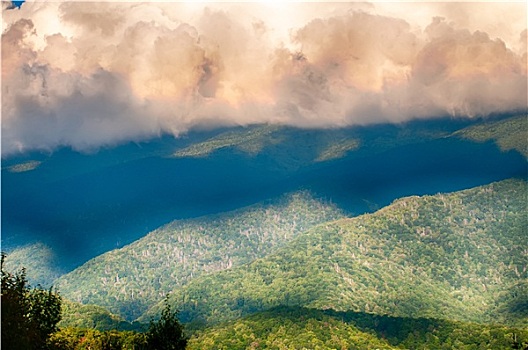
(265, 217)
(286, 174)
(174, 254)
(343, 172)
(83, 205)
(458, 256)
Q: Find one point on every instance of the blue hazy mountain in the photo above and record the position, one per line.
(82, 205)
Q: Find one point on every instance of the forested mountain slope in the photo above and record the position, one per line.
(44, 267)
(82, 205)
(93, 317)
(301, 328)
(459, 256)
(508, 134)
(129, 280)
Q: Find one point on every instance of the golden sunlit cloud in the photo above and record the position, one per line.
(87, 74)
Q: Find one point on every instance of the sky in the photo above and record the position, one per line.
(87, 75)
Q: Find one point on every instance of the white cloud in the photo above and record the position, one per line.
(96, 73)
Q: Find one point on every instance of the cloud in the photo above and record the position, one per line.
(90, 74)
(468, 73)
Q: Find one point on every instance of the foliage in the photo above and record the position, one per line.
(76, 315)
(301, 328)
(337, 149)
(23, 167)
(128, 281)
(509, 134)
(91, 339)
(253, 140)
(455, 256)
(250, 140)
(133, 204)
(458, 256)
(29, 316)
(40, 257)
(167, 332)
(287, 145)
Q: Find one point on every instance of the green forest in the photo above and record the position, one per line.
(302, 328)
(31, 320)
(446, 271)
(458, 256)
(130, 280)
(246, 175)
(508, 134)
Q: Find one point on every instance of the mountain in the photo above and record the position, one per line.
(75, 315)
(83, 205)
(42, 262)
(458, 256)
(266, 217)
(287, 328)
(251, 141)
(129, 280)
(302, 328)
(508, 134)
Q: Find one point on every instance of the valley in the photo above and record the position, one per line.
(295, 175)
(437, 271)
(107, 200)
(129, 280)
(286, 237)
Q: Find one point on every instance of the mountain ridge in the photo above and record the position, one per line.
(184, 249)
(144, 187)
(453, 266)
(434, 271)
(296, 327)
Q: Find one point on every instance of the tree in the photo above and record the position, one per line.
(29, 316)
(166, 333)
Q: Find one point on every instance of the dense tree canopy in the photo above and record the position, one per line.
(29, 315)
(457, 256)
(304, 328)
(130, 280)
(167, 332)
(391, 275)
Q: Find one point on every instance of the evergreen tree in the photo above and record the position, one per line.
(29, 316)
(166, 333)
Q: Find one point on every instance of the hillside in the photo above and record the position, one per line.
(250, 140)
(93, 317)
(129, 280)
(83, 205)
(44, 267)
(324, 145)
(287, 328)
(458, 256)
(508, 134)
(293, 148)
(301, 328)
